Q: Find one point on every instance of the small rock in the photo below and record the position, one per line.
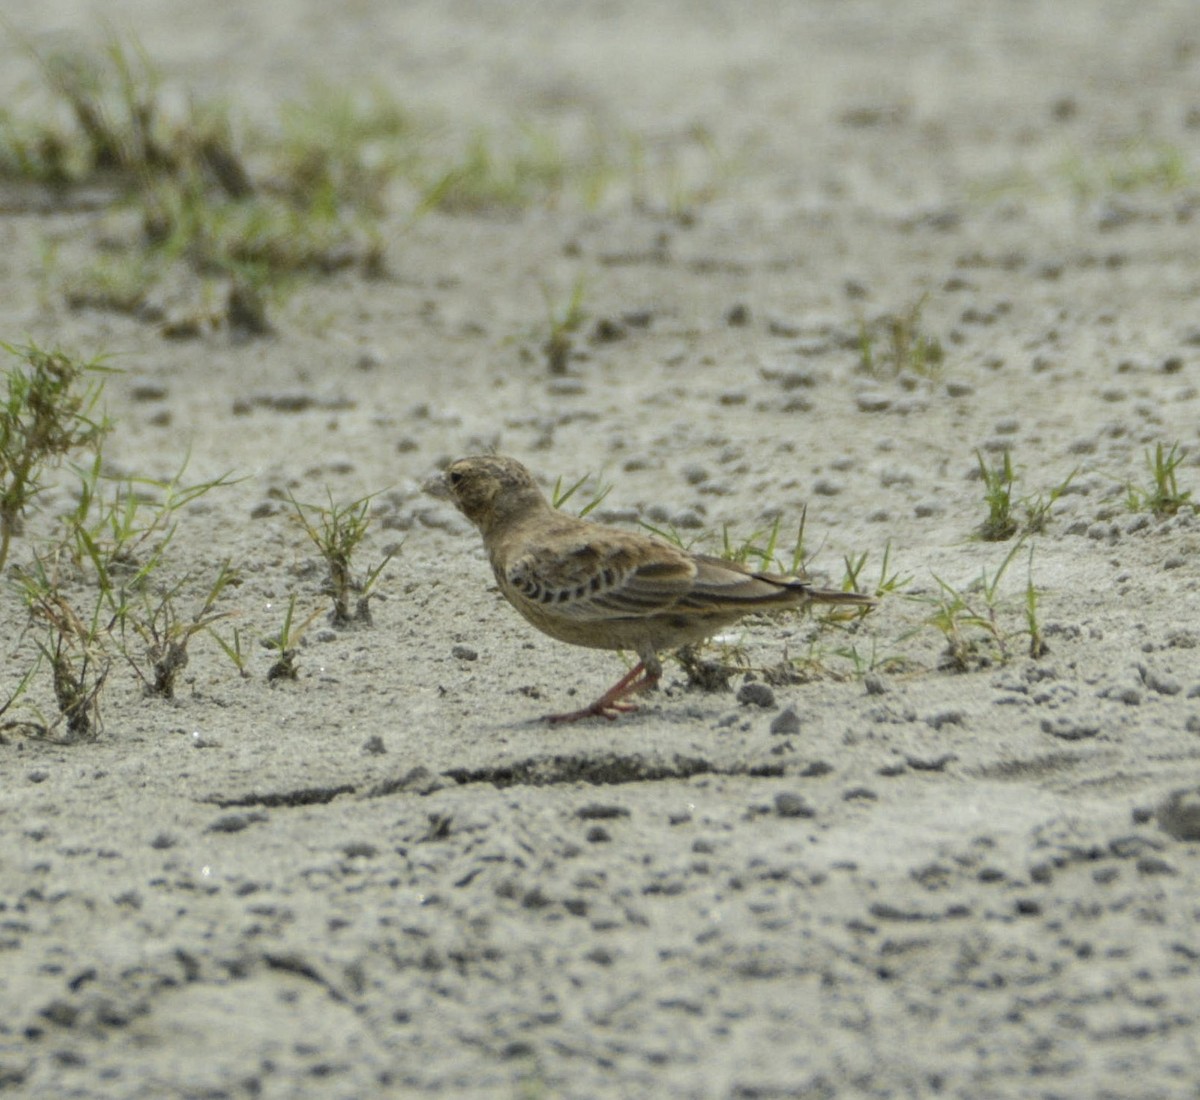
(607, 331)
(565, 387)
(1179, 814)
(875, 684)
(873, 401)
(1160, 682)
(1069, 729)
(464, 653)
(786, 722)
(235, 823)
(689, 519)
(737, 315)
(1155, 865)
(790, 804)
(601, 811)
(374, 746)
(147, 389)
(756, 694)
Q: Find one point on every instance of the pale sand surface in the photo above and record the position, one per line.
(239, 895)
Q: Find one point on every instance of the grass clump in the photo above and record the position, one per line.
(1006, 514)
(285, 643)
(166, 634)
(974, 620)
(199, 202)
(999, 526)
(563, 320)
(49, 412)
(336, 531)
(74, 644)
(898, 343)
(486, 181)
(1162, 497)
(1140, 164)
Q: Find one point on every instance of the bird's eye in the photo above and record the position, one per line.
(455, 477)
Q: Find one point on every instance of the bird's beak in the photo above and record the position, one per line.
(437, 486)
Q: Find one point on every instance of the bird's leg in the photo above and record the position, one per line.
(642, 677)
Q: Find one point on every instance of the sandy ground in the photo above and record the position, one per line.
(388, 878)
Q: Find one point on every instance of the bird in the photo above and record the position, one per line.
(604, 587)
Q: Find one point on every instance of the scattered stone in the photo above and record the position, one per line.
(607, 331)
(1070, 729)
(565, 387)
(790, 804)
(598, 834)
(1179, 814)
(688, 519)
(601, 811)
(930, 763)
(786, 722)
(737, 315)
(464, 653)
(1155, 865)
(147, 389)
(418, 780)
(1128, 693)
(875, 684)
(872, 401)
(779, 326)
(1161, 682)
(374, 746)
(235, 823)
(756, 694)
(945, 718)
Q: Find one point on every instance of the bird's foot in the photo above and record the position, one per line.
(613, 701)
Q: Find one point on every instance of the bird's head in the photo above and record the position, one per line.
(490, 490)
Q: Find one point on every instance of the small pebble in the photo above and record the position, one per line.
(786, 722)
(756, 694)
(790, 804)
(1069, 729)
(1160, 682)
(1179, 814)
(873, 401)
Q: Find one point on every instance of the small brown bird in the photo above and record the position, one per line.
(604, 587)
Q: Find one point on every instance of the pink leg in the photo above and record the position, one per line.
(611, 703)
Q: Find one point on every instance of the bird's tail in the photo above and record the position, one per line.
(834, 595)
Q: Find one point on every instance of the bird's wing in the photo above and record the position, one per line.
(720, 584)
(627, 577)
(603, 578)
